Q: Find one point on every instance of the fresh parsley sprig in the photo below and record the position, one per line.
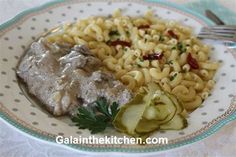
(98, 117)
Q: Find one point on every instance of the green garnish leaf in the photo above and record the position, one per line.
(114, 109)
(98, 117)
(181, 47)
(102, 106)
(173, 77)
(108, 42)
(170, 62)
(173, 48)
(114, 33)
(141, 59)
(127, 32)
(161, 38)
(139, 65)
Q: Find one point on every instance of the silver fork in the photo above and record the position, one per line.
(219, 32)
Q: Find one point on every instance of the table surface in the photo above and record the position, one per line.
(14, 143)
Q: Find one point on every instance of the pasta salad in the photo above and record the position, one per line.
(139, 50)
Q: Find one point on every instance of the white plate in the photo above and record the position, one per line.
(15, 108)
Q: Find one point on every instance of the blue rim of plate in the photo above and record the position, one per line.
(36, 135)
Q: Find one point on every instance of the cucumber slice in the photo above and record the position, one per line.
(178, 104)
(147, 126)
(150, 113)
(169, 106)
(130, 114)
(157, 112)
(163, 113)
(184, 113)
(151, 90)
(177, 123)
(150, 110)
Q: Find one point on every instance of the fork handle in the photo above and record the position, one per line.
(214, 18)
(230, 44)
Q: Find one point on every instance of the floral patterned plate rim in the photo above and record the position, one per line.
(19, 32)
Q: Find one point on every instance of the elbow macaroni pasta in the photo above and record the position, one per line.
(172, 72)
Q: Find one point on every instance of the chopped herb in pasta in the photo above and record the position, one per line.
(181, 47)
(114, 33)
(161, 38)
(173, 77)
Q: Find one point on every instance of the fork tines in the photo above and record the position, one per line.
(219, 32)
(227, 27)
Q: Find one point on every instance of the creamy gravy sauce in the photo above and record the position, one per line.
(63, 78)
